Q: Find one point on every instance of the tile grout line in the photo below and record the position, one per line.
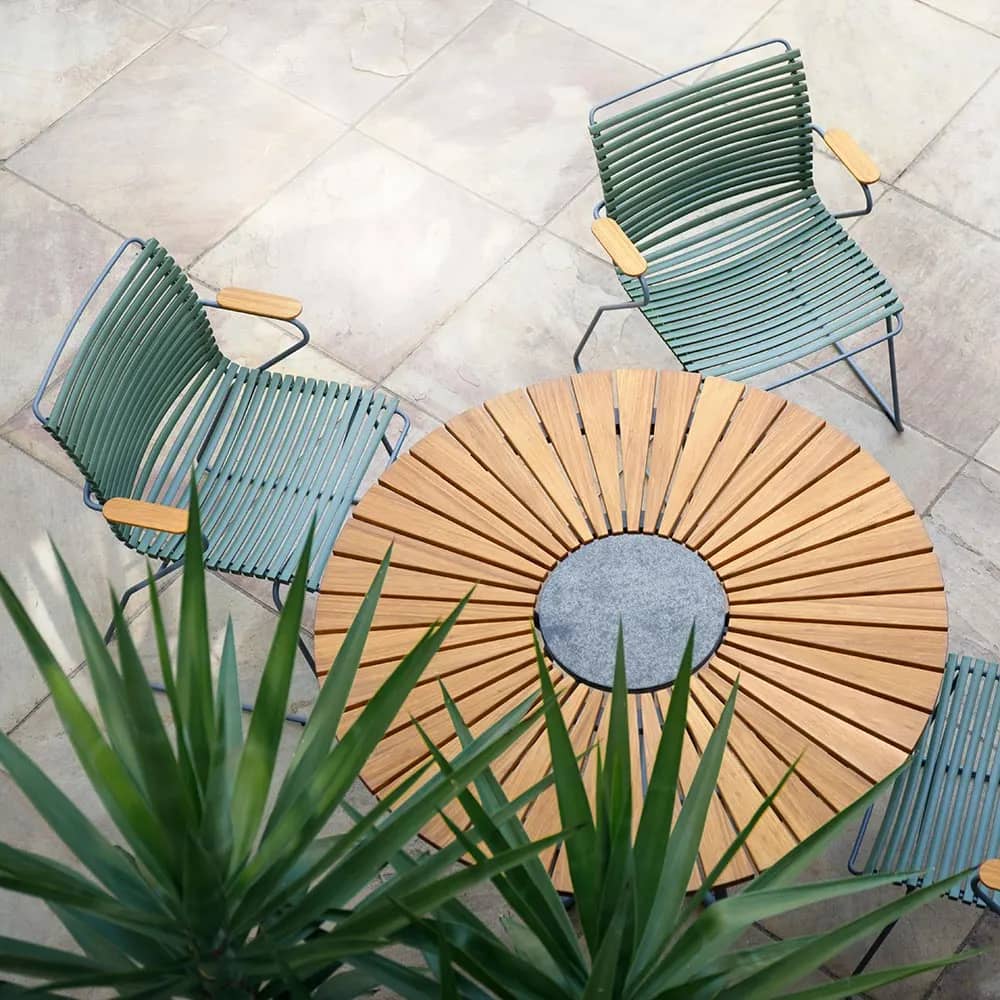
(525, 5)
(929, 509)
(961, 944)
(198, 258)
(955, 17)
(354, 128)
(82, 664)
(942, 211)
(444, 319)
(83, 100)
(937, 135)
(6, 167)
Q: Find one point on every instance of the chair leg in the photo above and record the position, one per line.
(891, 412)
(877, 943)
(303, 648)
(163, 571)
(873, 948)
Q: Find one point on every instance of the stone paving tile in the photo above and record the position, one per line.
(49, 255)
(172, 13)
(948, 356)
(978, 976)
(378, 272)
(890, 72)
(971, 583)
(341, 57)
(54, 54)
(665, 36)
(989, 454)
(541, 301)
(503, 110)
(984, 13)
(173, 164)
(969, 551)
(39, 505)
(960, 170)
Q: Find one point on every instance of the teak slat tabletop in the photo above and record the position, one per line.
(657, 499)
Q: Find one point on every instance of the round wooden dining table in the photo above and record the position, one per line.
(658, 500)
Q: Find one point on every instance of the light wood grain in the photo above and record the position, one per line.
(517, 420)
(854, 523)
(596, 401)
(427, 489)
(989, 874)
(837, 623)
(490, 487)
(484, 440)
(675, 396)
(858, 162)
(246, 300)
(712, 411)
(140, 514)
(556, 406)
(635, 390)
(788, 435)
(347, 575)
(894, 576)
(756, 413)
(618, 247)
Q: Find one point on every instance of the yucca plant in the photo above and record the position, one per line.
(212, 892)
(643, 935)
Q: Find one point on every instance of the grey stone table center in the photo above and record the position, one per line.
(656, 588)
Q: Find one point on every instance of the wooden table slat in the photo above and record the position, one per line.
(536, 516)
(423, 487)
(895, 576)
(556, 406)
(833, 780)
(712, 411)
(756, 413)
(636, 389)
(675, 396)
(349, 576)
(518, 421)
(596, 402)
(480, 435)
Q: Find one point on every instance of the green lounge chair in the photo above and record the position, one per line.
(718, 234)
(149, 397)
(943, 814)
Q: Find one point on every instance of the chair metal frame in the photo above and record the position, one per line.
(90, 500)
(893, 324)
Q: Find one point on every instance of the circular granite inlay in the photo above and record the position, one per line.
(656, 587)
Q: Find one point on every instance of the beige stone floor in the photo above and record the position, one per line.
(418, 172)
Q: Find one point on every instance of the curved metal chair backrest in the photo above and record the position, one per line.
(141, 363)
(717, 146)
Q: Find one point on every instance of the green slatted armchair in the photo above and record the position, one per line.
(150, 397)
(718, 234)
(943, 814)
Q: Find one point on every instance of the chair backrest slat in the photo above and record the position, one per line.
(136, 374)
(741, 133)
(943, 815)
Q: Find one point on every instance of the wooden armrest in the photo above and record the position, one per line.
(245, 300)
(619, 247)
(989, 874)
(140, 514)
(857, 161)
